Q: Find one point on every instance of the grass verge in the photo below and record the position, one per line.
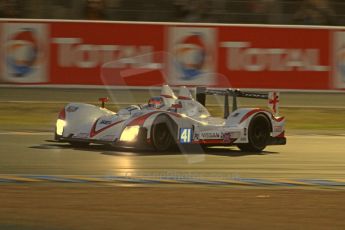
(42, 117)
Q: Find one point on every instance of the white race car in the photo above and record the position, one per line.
(167, 122)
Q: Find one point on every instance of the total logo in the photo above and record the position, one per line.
(190, 56)
(242, 56)
(22, 53)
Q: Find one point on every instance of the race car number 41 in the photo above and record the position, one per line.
(185, 135)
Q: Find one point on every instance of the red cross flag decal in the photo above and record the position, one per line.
(273, 102)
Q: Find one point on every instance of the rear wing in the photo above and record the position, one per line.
(272, 97)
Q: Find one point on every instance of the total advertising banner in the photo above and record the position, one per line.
(144, 54)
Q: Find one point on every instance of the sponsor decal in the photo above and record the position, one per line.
(105, 122)
(224, 136)
(210, 135)
(227, 138)
(211, 55)
(72, 108)
(74, 52)
(242, 56)
(278, 129)
(25, 53)
(193, 53)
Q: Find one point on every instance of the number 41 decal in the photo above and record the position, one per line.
(185, 135)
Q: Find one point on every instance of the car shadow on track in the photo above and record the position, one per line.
(122, 151)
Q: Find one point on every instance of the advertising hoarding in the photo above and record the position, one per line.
(144, 54)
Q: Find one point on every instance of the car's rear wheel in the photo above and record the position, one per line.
(258, 134)
(163, 133)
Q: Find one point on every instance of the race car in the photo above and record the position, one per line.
(168, 121)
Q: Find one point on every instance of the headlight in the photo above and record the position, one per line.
(60, 124)
(130, 133)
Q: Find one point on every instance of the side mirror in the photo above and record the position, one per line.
(103, 100)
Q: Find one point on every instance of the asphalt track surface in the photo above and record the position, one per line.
(72, 206)
(51, 205)
(304, 157)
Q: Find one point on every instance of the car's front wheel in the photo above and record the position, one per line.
(163, 133)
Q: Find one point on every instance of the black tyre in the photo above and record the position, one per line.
(258, 134)
(79, 144)
(163, 133)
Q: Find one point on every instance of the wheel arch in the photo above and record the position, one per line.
(164, 117)
(245, 120)
(148, 124)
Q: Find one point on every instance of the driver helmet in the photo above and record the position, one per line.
(156, 103)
